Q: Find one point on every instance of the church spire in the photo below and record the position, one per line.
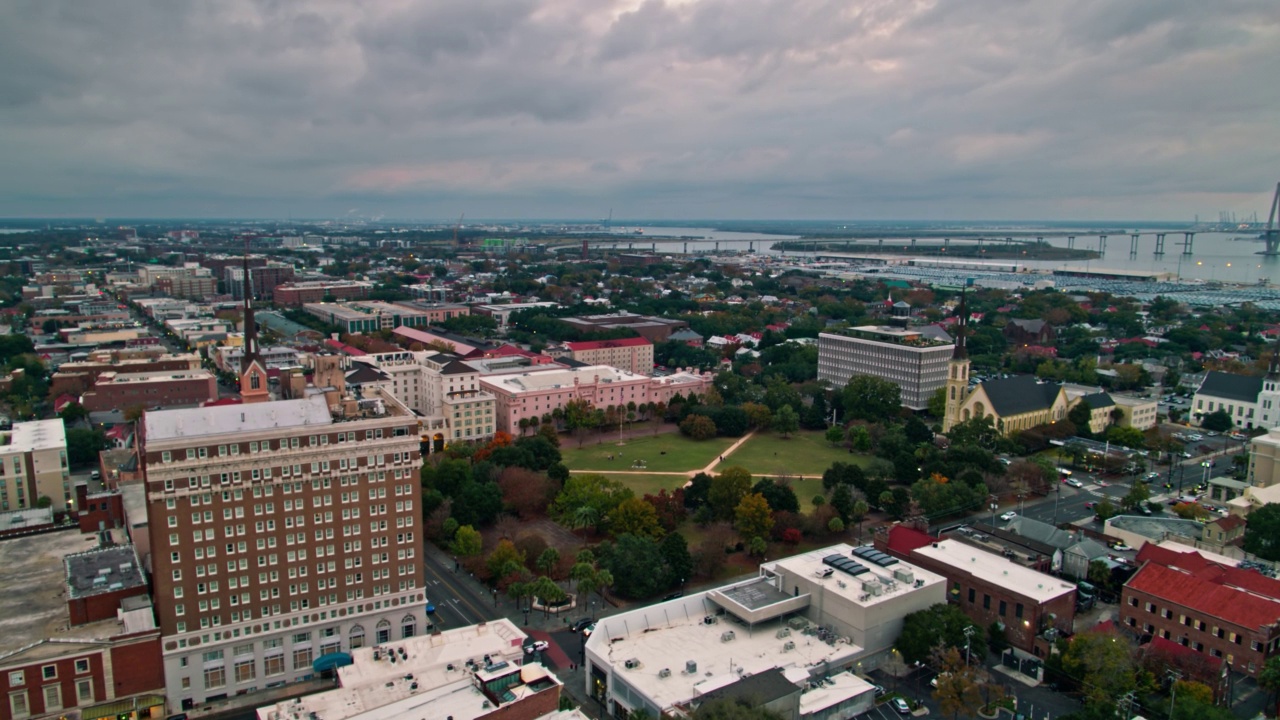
(253, 371)
(1273, 370)
(962, 325)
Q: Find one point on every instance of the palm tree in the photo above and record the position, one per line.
(859, 511)
(587, 516)
(548, 561)
(603, 579)
(546, 590)
(524, 425)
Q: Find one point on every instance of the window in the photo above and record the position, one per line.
(408, 626)
(273, 665)
(18, 704)
(301, 658)
(16, 678)
(356, 637)
(215, 677)
(52, 697)
(384, 632)
(1003, 608)
(84, 691)
(50, 672)
(986, 602)
(972, 596)
(82, 666)
(1017, 610)
(244, 670)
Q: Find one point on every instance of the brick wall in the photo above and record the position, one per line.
(139, 666)
(102, 606)
(102, 510)
(547, 701)
(1201, 632)
(189, 391)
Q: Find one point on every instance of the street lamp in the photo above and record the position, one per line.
(994, 505)
(969, 630)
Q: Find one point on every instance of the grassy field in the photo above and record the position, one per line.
(804, 453)
(667, 452)
(643, 485)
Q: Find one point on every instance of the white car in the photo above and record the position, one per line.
(1074, 483)
(1008, 516)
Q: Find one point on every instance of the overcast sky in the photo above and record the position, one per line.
(846, 109)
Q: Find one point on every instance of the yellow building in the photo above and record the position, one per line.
(1014, 404)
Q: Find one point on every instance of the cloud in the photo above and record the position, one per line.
(689, 108)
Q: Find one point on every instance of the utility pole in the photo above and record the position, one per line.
(968, 635)
(1127, 702)
(1174, 676)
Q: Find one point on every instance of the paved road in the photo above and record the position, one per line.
(457, 601)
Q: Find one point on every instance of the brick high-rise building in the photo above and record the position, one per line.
(281, 530)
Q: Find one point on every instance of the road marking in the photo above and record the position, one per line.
(479, 615)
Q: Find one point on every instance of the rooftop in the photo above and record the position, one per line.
(430, 679)
(102, 570)
(226, 419)
(996, 570)
(38, 435)
(158, 376)
(892, 335)
(560, 378)
(601, 344)
(1242, 388)
(890, 577)
(33, 606)
(1209, 595)
(671, 635)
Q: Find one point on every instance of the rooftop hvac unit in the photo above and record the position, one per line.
(632, 664)
(727, 636)
(710, 620)
(664, 673)
(920, 583)
(783, 632)
(788, 645)
(798, 623)
(868, 584)
(904, 575)
(876, 589)
(691, 666)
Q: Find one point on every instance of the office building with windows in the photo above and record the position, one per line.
(33, 464)
(916, 359)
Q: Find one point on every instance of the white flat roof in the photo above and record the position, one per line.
(996, 569)
(850, 587)
(535, 379)
(224, 419)
(154, 376)
(683, 636)
(838, 689)
(38, 435)
(380, 690)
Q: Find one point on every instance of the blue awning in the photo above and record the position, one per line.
(331, 661)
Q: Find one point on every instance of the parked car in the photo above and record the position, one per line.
(1008, 516)
(901, 706)
(1090, 505)
(581, 624)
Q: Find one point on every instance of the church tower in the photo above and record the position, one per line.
(253, 371)
(1269, 398)
(958, 368)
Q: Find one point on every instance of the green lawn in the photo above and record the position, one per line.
(804, 453)
(643, 485)
(666, 452)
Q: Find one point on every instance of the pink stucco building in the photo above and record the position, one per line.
(539, 392)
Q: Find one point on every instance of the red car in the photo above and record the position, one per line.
(1089, 505)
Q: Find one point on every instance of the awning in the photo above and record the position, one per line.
(120, 707)
(331, 661)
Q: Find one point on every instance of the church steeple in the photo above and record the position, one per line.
(957, 387)
(253, 371)
(1273, 370)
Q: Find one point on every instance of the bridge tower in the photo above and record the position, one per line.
(1159, 244)
(1133, 245)
(1272, 234)
(1102, 244)
(1187, 239)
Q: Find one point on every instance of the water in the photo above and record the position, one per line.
(1215, 256)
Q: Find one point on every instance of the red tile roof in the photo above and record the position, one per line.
(1174, 649)
(1211, 596)
(598, 344)
(902, 540)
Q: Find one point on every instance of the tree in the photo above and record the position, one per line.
(871, 398)
(634, 516)
(1140, 494)
(548, 561)
(727, 490)
(674, 550)
(84, 444)
(959, 685)
(669, 507)
(842, 501)
(938, 403)
(1102, 664)
(940, 624)
(1081, 415)
(1262, 533)
(636, 567)
(698, 427)
(759, 415)
(524, 492)
(1217, 421)
(858, 514)
(504, 560)
(579, 416)
(72, 413)
(467, 542)
(594, 493)
(778, 494)
(1129, 437)
(834, 435)
(479, 503)
(752, 517)
(785, 421)
(1269, 680)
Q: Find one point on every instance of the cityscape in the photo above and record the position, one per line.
(639, 360)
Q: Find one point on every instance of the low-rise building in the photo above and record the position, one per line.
(479, 672)
(635, 355)
(991, 588)
(1250, 401)
(1014, 404)
(654, 329)
(673, 655)
(297, 294)
(74, 378)
(1222, 611)
(368, 316)
(118, 391)
(1264, 459)
(540, 392)
(502, 313)
(33, 464)
(80, 639)
(912, 359)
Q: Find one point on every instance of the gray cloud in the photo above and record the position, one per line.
(678, 108)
